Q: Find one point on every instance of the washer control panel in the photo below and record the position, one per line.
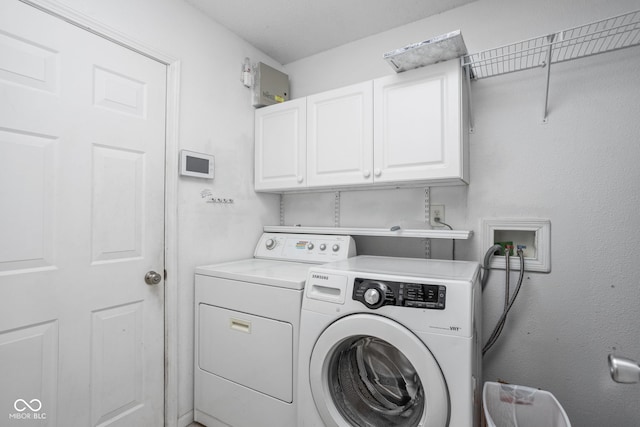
(377, 293)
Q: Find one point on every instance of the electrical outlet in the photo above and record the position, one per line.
(436, 211)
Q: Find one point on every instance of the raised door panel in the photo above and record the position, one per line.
(26, 219)
(340, 136)
(28, 369)
(280, 152)
(117, 355)
(417, 116)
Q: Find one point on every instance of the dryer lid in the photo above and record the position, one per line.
(283, 274)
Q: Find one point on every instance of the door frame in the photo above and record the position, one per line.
(173, 65)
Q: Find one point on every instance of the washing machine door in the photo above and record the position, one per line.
(369, 371)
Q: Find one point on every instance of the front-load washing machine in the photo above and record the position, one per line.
(390, 342)
(247, 318)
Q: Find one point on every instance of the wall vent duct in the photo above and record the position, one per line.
(438, 49)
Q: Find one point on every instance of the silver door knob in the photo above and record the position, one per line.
(152, 278)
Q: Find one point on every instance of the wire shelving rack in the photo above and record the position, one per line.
(602, 36)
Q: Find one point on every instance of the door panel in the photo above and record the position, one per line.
(252, 351)
(28, 159)
(36, 346)
(117, 362)
(82, 140)
(340, 136)
(117, 209)
(281, 146)
(118, 93)
(417, 131)
(28, 64)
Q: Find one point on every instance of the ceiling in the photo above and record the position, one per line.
(288, 30)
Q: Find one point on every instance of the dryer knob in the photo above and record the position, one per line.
(372, 296)
(270, 244)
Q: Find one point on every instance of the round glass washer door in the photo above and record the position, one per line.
(369, 371)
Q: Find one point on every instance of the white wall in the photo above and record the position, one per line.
(580, 170)
(571, 170)
(216, 117)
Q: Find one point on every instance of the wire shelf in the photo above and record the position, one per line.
(598, 37)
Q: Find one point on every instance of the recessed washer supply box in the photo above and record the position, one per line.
(533, 235)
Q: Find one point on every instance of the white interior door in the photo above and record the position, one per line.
(82, 139)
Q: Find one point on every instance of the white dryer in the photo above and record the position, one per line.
(247, 317)
(390, 342)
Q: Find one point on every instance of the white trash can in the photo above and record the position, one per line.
(507, 405)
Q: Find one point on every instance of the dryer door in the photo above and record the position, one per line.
(367, 370)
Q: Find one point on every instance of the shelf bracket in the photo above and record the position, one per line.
(281, 209)
(550, 39)
(427, 220)
(467, 73)
(336, 209)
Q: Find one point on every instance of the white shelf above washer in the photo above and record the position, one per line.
(376, 232)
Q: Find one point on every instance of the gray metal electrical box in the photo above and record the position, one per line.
(270, 86)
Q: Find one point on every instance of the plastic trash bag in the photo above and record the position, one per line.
(507, 405)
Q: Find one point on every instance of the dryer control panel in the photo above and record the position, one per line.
(377, 293)
(307, 248)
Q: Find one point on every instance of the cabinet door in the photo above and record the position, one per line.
(417, 132)
(280, 152)
(340, 136)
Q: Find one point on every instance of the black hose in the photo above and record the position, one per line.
(486, 268)
(503, 318)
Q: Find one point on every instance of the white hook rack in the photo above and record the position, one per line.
(219, 200)
(208, 197)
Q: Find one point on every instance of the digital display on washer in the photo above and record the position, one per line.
(377, 293)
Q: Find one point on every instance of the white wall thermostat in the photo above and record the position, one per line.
(194, 164)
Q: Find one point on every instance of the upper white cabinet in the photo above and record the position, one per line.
(403, 129)
(418, 126)
(340, 136)
(281, 150)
